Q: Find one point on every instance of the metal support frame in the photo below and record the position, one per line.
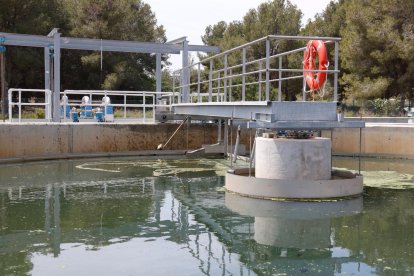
(267, 69)
(3, 85)
(336, 71)
(244, 75)
(54, 39)
(185, 73)
(56, 75)
(158, 74)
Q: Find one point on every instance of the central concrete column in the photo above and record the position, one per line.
(281, 158)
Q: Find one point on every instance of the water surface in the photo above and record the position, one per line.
(172, 217)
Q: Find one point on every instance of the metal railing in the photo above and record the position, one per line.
(127, 101)
(47, 96)
(145, 104)
(221, 82)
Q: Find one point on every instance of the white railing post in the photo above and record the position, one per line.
(153, 108)
(267, 69)
(210, 82)
(279, 96)
(244, 74)
(10, 105)
(198, 82)
(145, 116)
(20, 106)
(336, 73)
(225, 78)
(218, 86)
(125, 106)
(260, 81)
(231, 86)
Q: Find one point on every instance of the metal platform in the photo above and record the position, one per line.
(275, 115)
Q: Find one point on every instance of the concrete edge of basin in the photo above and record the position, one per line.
(342, 184)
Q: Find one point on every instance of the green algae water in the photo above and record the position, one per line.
(172, 217)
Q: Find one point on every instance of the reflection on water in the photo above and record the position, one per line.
(128, 217)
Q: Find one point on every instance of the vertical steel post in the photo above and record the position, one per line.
(226, 137)
(56, 75)
(260, 81)
(279, 96)
(244, 75)
(218, 87)
(336, 73)
(210, 82)
(125, 113)
(198, 82)
(219, 140)
(304, 88)
(3, 86)
(225, 78)
(173, 88)
(185, 72)
(47, 77)
(143, 108)
(20, 106)
(158, 74)
(231, 86)
(267, 69)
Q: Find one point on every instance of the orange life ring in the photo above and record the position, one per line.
(309, 64)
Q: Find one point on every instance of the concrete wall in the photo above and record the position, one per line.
(61, 140)
(388, 140)
(50, 139)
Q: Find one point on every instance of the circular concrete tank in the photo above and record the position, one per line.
(293, 158)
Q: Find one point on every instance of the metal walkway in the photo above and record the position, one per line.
(251, 88)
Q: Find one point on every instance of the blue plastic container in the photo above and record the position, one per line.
(99, 116)
(74, 116)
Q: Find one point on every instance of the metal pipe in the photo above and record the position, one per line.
(267, 69)
(56, 77)
(279, 97)
(336, 72)
(260, 81)
(244, 75)
(288, 37)
(198, 82)
(237, 144)
(225, 78)
(210, 84)
(218, 87)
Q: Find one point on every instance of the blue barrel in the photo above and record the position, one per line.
(74, 115)
(99, 116)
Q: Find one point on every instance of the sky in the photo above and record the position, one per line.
(191, 17)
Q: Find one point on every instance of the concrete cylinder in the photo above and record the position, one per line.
(280, 158)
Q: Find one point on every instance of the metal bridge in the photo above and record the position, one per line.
(237, 87)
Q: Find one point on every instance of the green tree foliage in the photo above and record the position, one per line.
(377, 48)
(101, 19)
(24, 65)
(273, 17)
(377, 39)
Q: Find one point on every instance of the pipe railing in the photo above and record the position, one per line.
(47, 95)
(135, 95)
(223, 80)
(147, 101)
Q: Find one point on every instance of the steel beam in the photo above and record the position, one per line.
(56, 78)
(158, 74)
(306, 125)
(95, 44)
